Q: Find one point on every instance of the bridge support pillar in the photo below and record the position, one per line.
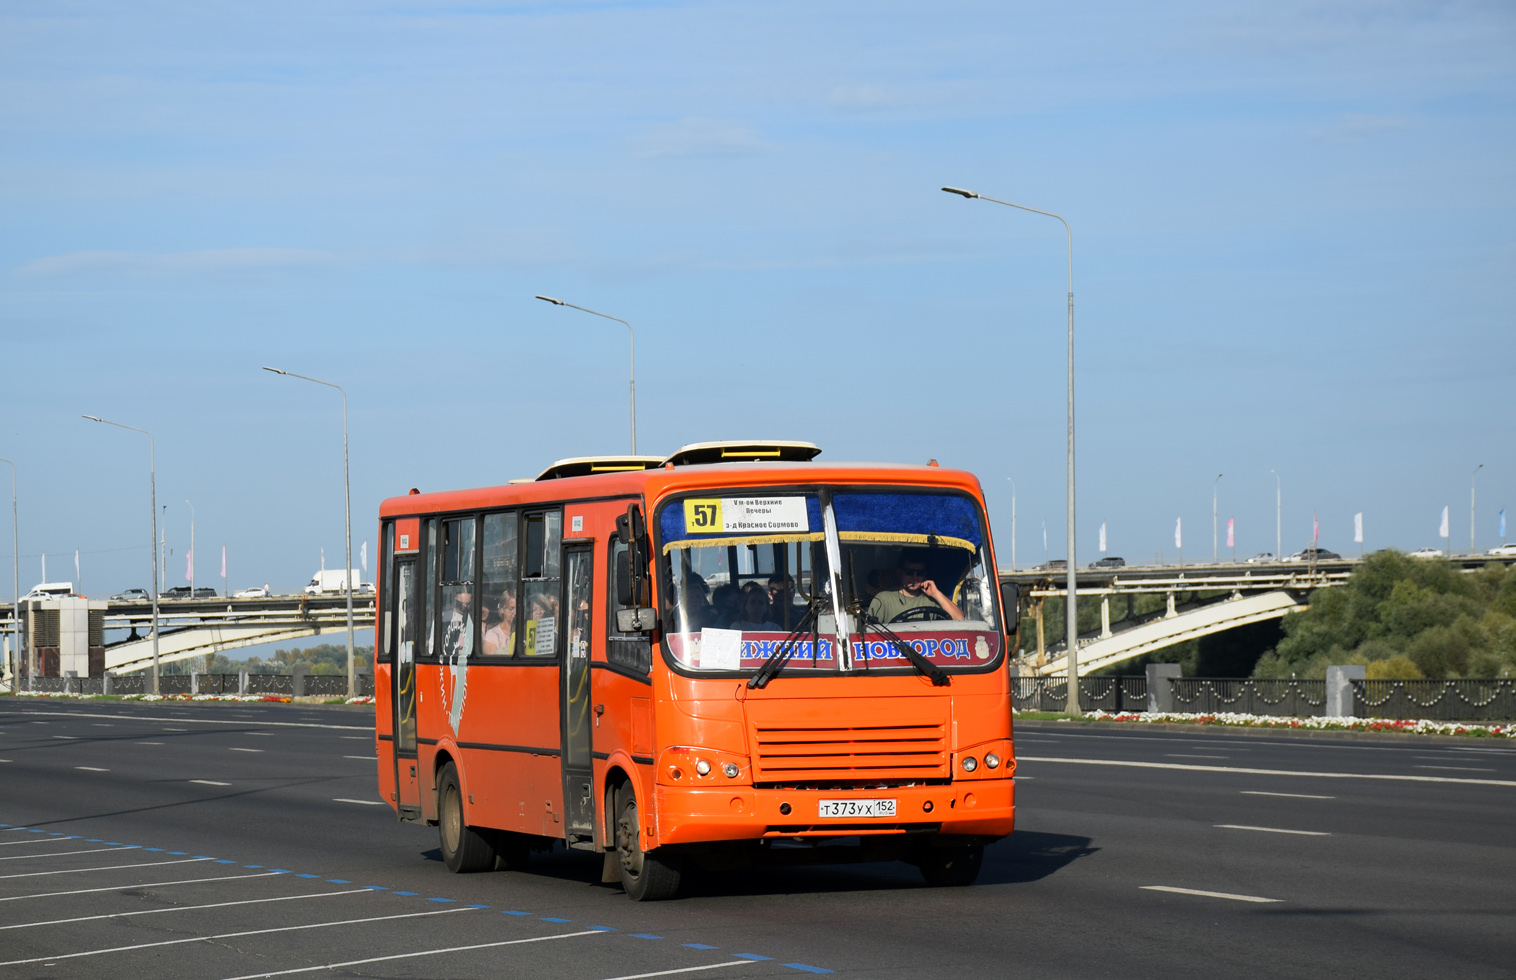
(1105, 617)
(1339, 690)
(107, 683)
(242, 683)
(1170, 612)
(298, 679)
(1160, 690)
(1042, 650)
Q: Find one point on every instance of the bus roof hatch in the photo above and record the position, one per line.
(590, 465)
(745, 451)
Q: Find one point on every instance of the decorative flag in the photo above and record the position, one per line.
(223, 561)
(1358, 528)
(1315, 528)
(1179, 532)
(1102, 537)
(1502, 523)
(78, 575)
(1044, 535)
(1231, 539)
(44, 566)
(1443, 530)
(363, 557)
(189, 566)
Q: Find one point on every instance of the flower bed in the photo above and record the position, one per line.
(1421, 727)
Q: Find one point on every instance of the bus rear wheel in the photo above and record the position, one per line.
(645, 876)
(464, 849)
(951, 867)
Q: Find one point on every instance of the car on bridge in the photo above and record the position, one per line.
(1262, 557)
(1507, 550)
(1427, 553)
(1111, 562)
(132, 595)
(1314, 554)
(256, 592)
(1056, 565)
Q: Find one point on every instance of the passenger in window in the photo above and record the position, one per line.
(726, 605)
(459, 635)
(755, 609)
(499, 640)
(782, 598)
(916, 591)
(695, 604)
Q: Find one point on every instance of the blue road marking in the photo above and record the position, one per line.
(515, 913)
(643, 935)
(438, 899)
(338, 881)
(377, 888)
(179, 853)
(402, 893)
(225, 861)
(603, 928)
(547, 918)
(751, 956)
(278, 871)
(253, 866)
(477, 906)
(157, 850)
(307, 876)
(807, 969)
(700, 946)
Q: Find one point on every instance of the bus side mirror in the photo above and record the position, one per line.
(636, 620)
(624, 594)
(632, 589)
(1010, 605)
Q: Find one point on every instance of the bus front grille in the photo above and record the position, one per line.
(873, 753)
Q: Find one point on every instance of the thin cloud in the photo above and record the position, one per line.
(1355, 127)
(858, 97)
(695, 137)
(175, 263)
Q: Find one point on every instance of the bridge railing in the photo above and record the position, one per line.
(1297, 698)
(285, 685)
(1462, 699)
(1095, 693)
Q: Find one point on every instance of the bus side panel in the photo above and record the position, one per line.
(429, 727)
(624, 730)
(511, 763)
(384, 725)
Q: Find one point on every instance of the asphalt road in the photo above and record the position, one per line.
(212, 841)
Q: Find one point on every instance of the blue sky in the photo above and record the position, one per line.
(1293, 250)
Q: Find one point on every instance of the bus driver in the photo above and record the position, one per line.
(916, 590)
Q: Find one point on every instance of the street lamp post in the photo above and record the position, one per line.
(1214, 486)
(152, 470)
(1013, 522)
(15, 577)
(1071, 622)
(631, 337)
(347, 513)
(1471, 508)
(1278, 517)
(192, 550)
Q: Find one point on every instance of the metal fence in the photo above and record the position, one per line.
(1095, 693)
(1471, 699)
(311, 685)
(1250, 696)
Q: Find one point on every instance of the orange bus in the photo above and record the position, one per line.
(731, 656)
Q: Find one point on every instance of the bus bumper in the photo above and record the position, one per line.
(978, 808)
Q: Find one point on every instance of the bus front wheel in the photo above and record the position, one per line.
(464, 849)
(646, 876)
(951, 867)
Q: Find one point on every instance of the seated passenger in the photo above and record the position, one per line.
(726, 604)
(499, 640)
(755, 608)
(916, 591)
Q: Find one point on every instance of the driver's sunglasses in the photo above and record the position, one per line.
(917, 572)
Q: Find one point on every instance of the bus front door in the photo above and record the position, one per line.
(407, 787)
(578, 767)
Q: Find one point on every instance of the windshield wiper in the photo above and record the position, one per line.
(939, 676)
(786, 649)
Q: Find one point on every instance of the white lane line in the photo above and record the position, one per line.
(1459, 768)
(110, 867)
(1445, 757)
(1182, 755)
(149, 743)
(202, 721)
(186, 908)
(98, 769)
(351, 738)
(232, 935)
(1392, 777)
(360, 802)
(244, 750)
(688, 969)
(1293, 796)
(260, 734)
(71, 738)
(1205, 894)
(425, 952)
(55, 854)
(151, 884)
(40, 840)
(365, 758)
(209, 782)
(1272, 830)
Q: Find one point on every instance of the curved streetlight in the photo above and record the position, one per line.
(347, 513)
(15, 575)
(1471, 508)
(152, 464)
(1278, 517)
(631, 336)
(192, 551)
(1214, 485)
(1071, 622)
(1013, 522)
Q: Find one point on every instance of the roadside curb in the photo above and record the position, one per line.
(1254, 732)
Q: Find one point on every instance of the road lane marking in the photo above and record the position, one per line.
(425, 952)
(186, 908)
(1183, 755)
(54, 854)
(1392, 777)
(1293, 796)
(1272, 830)
(209, 782)
(98, 769)
(244, 750)
(38, 840)
(151, 884)
(365, 758)
(230, 935)
(360, 802)
(111, 867)
(1205, 894)
(149, 743)
(687, 969)
(201, 721)
(177, 729)
(1459, 768)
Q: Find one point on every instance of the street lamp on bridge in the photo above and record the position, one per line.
(1071, 622)
(1214, 486)
(631, 337)
(15, 577)
(347, 512)
(152, 472)
(1472, 551)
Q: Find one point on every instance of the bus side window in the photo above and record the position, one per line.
(459, 635)
(633, 651)
(541, 563)
(385, 653)
(500, 580)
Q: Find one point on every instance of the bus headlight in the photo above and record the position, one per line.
(992, 760)
(703, 767)
(731, 770)
(970, 763)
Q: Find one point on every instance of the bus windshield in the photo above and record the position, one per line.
(740, 572)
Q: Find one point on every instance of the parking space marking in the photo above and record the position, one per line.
(37, 840)
(112, 867)
(117, 888)
(209, 782)
(1204, 894)
(58, 854)
(359, 802)
(92, 769)
(234, 749)
(185, 908)
(687, 969)
(1273, 830)
(229, 935)
(1293, 796)
(425, 952)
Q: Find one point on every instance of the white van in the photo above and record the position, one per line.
(50, 590)
(333, 581)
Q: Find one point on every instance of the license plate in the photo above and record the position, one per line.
(856, 808)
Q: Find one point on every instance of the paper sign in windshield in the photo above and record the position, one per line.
(746, 515)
